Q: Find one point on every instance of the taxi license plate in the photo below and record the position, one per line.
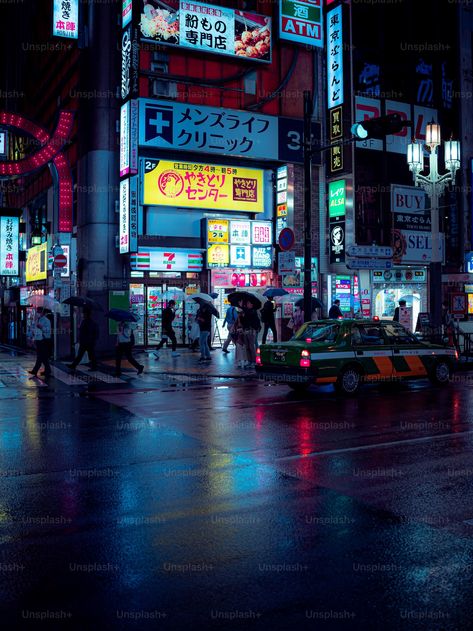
(279, 356)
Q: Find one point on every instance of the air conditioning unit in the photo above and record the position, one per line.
(163, 87)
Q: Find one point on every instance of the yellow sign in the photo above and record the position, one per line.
(218, 255)
(204, 186)
(217, 231)
(37, 263)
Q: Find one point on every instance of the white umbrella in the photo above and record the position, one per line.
(200, 296)
(172, 294)
(46, 302)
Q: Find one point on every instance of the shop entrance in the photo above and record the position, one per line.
(147, 301)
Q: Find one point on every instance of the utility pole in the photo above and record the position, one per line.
(307, 206)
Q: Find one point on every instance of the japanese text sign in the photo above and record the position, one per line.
(217, 231)
(205, 129)
(218, 255)
(300, 21)
(334, 57)
(37, 263)
(66, 18)
(261, 233)
(205, 27)
(9, 246)
(203, 186)
(336, 198)
(167, 260)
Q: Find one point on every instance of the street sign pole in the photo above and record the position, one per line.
(307, 207)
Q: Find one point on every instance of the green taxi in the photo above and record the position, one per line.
(350, 352)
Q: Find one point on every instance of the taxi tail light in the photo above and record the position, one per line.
(375, 318)
(258, 357)
(456, 355)
(304, 361)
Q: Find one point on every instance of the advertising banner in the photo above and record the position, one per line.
(218, 255)
(300, 21)
(336, 199)
(66, 18)
(9, 246)
(334, 58)
(414, 247)
(248, 243)
(37, 263)
(207, 28)
(167, 260)
(203, 186)
(125, 139)
(217, 231)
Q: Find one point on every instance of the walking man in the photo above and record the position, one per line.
(42, 336)
(124, 347)
(230, 319)
(204, 319)
(267, 318)
(88, 336)
(169, 313)
(335, 311)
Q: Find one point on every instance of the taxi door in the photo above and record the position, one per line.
(407, 357)
(372, 351)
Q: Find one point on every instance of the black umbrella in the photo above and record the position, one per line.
(209, 305)
(236, 296)
(274, 292)
(81, 301)
(121, 315)
(315, 304)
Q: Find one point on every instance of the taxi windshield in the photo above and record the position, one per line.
(318, 332)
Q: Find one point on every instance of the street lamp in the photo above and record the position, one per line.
(434, 185)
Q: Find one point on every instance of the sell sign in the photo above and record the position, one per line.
(203, 186)
(300, 21)
(9, 246)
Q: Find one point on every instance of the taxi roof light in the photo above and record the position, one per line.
(305, 353)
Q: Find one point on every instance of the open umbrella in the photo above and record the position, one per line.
(82, 301)
(173, 294)
(121, 315)
(315, 304)
(45, 302)
(274, 292)
(236, 296)
(200, 296)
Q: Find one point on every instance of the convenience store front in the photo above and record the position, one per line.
(390, 286)
(158, 276)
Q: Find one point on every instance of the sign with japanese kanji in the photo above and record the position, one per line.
(336, 199)
(240, 232)
(199, 128)
(300, 21)
(334, 58)
(217, 231)
(9, 246)
(66, 18)
(167, 260)
(208, 28)
(203, 186)
(128, 204)
(218, 255)
(261, 232)
(37, 263)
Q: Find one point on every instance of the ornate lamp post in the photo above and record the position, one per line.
(434, 185)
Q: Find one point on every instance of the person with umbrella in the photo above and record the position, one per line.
(169, 313)
(42, 339)
(204, 319)
(124, 345)
(251, 327)
(267, 318)
(88, 336)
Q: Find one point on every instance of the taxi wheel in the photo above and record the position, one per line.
(441, 373)
(349, 381)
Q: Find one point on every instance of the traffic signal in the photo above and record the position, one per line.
(379, 127)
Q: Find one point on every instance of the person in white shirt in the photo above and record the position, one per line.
(42, 336)
(124, 347)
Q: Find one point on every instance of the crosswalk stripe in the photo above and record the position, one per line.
(102, 376)
(65, 377)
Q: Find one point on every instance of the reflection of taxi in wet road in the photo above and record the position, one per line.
(349, 352)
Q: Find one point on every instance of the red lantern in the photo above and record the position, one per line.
(242, 280)
(263, 280)
(253, 280)
(234, 280)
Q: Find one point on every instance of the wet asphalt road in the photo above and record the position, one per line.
(235, 504)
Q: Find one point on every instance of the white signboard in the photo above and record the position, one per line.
(261, 232)
(124, 228)
(66, 18)
(240, 255)
(405, 317)
(3, 143)
(208, 28)
(414, 247)
(407, 199)
(375, 251)
(9, 245)
(167, 260)
(125, 139)
(286, 262)
(240, 232)
(335, 46)
(262, 256)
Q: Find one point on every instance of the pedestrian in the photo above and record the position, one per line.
(124, 346)
(402, 303)
(88, 336)
(231, 316)
(251, 326)
(335, 311)
(204, 318)
(238, 335)
(42, 338)
(267, 318)
(169, 313)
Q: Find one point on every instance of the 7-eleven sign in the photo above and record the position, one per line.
(166, 260)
